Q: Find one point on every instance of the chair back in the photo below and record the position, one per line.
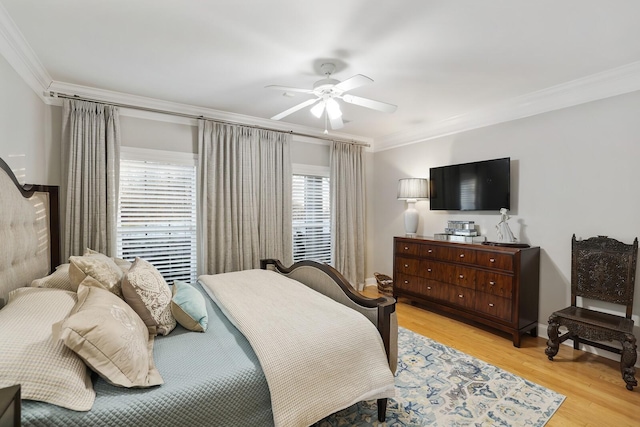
(604, 269)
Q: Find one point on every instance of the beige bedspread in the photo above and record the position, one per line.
(317, 355)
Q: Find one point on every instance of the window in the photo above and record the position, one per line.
(311, 214)
(157, 211)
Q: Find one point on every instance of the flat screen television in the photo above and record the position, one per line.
(476, 186)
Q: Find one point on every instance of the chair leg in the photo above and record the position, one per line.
(382, 409)
(553, 343)
(628, 361)
(576, 342)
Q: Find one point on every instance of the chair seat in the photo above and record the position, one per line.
(596, 318)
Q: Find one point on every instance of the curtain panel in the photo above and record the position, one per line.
(91, 161)
(346, 163)
(244, 196)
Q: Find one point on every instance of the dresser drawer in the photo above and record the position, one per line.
(493, 305)
(464, 276)
(436, 290)
(408, 266)
(408, 283)
(408, 248)
(463, 297)
(430, 270)
(457, 275)
(494, 283)
(467, 256)
(495, 260)
(429, 251)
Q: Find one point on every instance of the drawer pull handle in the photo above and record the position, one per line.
(406, 248)
(461, 276)
(429, 270)
(461, 255)
(406, 282)
(460, 296)
(492, 283)
(490, 304)
(406, 266)
(428, 288)
(492, 260)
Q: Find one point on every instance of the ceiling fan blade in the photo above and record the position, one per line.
(336, 123)
(353, 82)
(370, 103)
(295, 108)
(288, 89)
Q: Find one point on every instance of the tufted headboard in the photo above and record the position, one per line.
(29, 231)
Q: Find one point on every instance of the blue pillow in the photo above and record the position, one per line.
(189, 307)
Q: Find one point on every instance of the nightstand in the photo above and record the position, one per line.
(10, 406)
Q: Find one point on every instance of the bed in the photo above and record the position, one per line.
(218, 377)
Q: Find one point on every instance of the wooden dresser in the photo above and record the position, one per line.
(495, 286)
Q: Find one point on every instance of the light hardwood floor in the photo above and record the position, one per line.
(596, 395)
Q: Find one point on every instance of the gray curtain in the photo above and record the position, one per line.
(91, 161)
(346, 162)
(244, 197)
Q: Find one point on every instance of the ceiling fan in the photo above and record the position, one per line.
(327, 92)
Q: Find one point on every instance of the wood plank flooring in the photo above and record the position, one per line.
(596, 395)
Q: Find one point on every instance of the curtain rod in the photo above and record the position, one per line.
(54, 94)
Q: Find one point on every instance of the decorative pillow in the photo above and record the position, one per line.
(102, 269)
(189, 307)
(146, 291)
(59, 279)
(45, 369)
(122, 263)
(111, 338)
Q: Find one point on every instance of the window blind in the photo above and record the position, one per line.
(311, 218)
(157, 216)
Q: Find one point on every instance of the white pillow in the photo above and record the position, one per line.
(111, 338)
(59, 279)
(45, 369)
(101, 269)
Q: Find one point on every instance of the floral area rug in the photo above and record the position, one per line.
(439, 386)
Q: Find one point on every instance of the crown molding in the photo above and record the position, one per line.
(613, 82)
(15, 49)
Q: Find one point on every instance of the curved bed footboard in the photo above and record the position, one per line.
(328, 281)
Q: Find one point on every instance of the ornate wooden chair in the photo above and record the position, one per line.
(602, 269)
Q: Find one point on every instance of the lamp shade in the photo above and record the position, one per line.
(413, 188)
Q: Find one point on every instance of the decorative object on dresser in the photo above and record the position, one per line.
(10, 406)
(602, 269)
(412, 190)
(495, 286)
(504, 232)
(460, 231)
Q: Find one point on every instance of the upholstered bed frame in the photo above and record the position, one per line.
(29, 237)
(30, 249)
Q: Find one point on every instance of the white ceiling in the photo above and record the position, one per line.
(436, 60)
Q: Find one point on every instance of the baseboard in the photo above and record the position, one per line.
(542, 333)
(370, 281)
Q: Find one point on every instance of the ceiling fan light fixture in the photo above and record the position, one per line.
(318, 109)
(333, 109)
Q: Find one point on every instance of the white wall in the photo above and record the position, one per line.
(573, 171)
(25, 139)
